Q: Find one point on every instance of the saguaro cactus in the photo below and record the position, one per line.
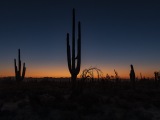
(18, 75)
(74, 62)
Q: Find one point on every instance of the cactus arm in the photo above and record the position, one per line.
(79, 49)
(69, 54)
(24, 70)
(19, 62)
(15, 66)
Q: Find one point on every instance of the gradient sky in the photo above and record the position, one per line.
(115, 34)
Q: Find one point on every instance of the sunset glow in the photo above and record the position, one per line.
(114, 36)
(123, 72)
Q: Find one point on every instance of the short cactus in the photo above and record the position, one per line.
(116, 75)
(18, 75)
(132, 74)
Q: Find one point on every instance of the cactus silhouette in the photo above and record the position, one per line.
(74, 62)
(132, 74)
(157, 76)
(18, 75)
(116, 75)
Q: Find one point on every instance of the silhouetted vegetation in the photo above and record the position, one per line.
(116, 75)
(88, 97)
(89, 74)
(50, 99)
(132, 76)
(157, 76)
(74, 62)
(18, 75)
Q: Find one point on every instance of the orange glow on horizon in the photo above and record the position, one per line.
(61, 72)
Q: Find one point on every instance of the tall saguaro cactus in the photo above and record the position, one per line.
(74, 62)
(18, 75)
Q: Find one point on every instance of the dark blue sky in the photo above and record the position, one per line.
(115, 34)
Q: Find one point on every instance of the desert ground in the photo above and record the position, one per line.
(92, 100)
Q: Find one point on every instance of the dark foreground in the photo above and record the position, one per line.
(103, 100)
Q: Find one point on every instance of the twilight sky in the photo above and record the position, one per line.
(115, 34)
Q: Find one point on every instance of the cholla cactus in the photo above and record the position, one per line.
(18, 75)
